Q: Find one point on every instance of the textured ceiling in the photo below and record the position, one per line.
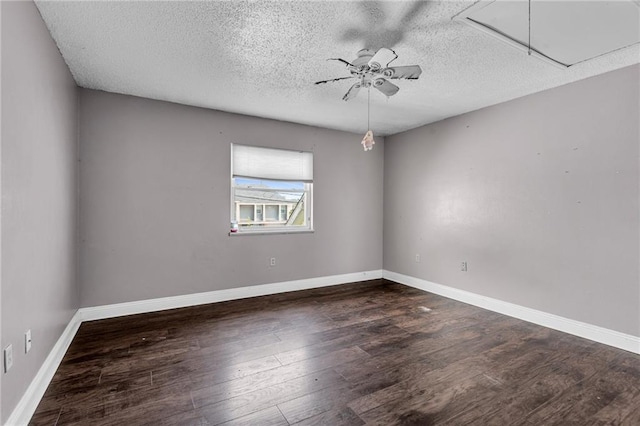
(261, 58)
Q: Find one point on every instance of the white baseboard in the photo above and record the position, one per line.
(32, 396)
(164, 303)
(588, 331)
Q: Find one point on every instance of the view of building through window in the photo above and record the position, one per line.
(268, 203)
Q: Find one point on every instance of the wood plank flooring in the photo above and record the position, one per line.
(375, 352)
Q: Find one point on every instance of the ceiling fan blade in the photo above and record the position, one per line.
(347, 63)
(352, 92)
(382, 59)
(386, 87)
(411, 72)
(333, 79)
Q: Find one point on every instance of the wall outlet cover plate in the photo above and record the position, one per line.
(8, 358)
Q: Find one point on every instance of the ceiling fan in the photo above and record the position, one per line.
(372, 70)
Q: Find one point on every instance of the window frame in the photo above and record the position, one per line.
(270, 229)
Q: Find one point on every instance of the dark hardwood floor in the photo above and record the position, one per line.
(375, 353)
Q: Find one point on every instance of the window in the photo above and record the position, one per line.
(271, 211)
(271, 190)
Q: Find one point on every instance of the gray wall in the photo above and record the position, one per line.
(539, 195)
(154, 208)
(39, 194)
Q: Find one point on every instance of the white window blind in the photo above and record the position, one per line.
(272, 164)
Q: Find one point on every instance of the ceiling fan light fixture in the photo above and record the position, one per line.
(371, 70)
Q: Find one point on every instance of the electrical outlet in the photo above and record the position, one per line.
(272, 261)
(8, 358)
(27, 341)
(463, 266)
(417, 258)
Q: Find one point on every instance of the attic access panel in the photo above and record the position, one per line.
(563, 32)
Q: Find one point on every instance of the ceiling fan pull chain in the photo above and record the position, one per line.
(529, 52)
(369, 108)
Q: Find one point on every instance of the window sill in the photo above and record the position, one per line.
(278, 232)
